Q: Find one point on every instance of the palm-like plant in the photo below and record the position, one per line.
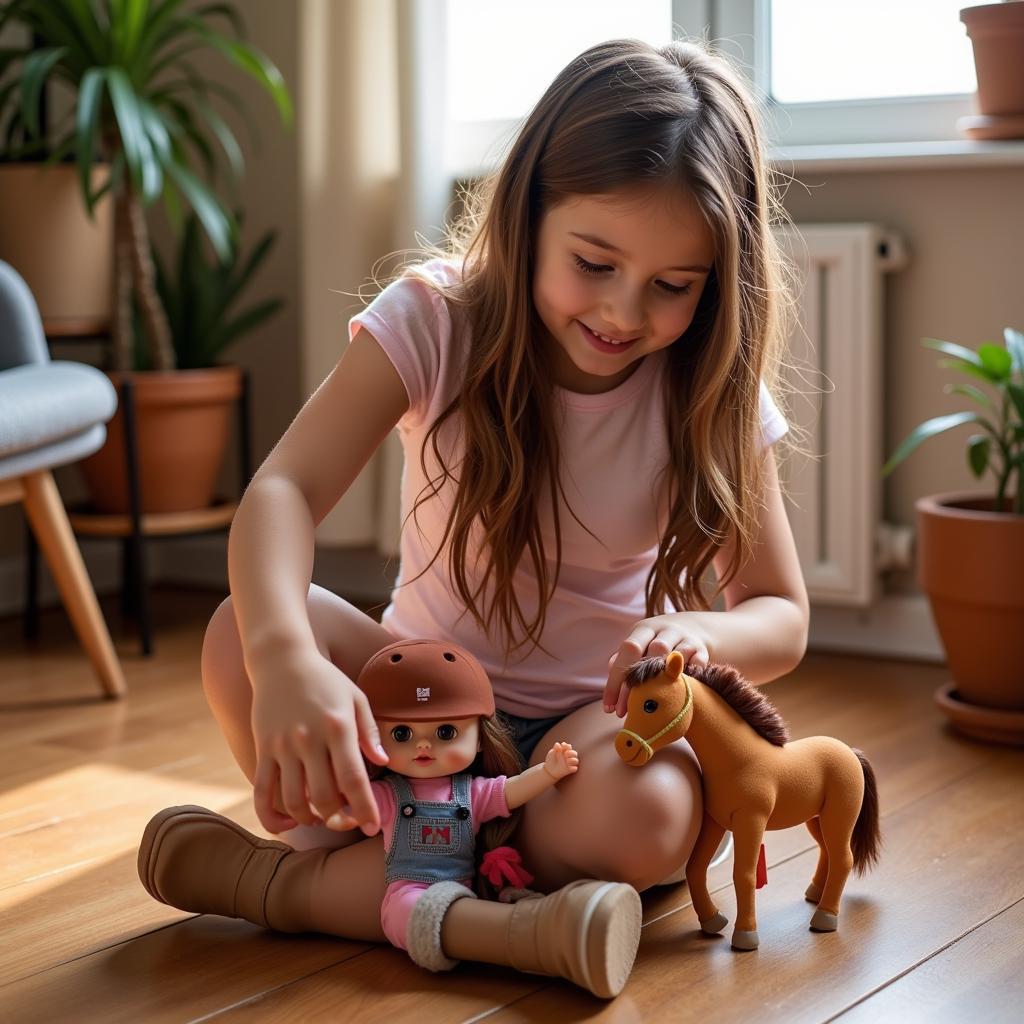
(140, 106)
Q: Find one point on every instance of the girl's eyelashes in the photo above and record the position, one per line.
(447, 732)
(600, 268)
(401, 734)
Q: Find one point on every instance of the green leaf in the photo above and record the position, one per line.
(974, 369)
(930, 428)
(249, 59)
(978, 448)
(970, 391)
(1016, 392)
(134, 141)
(33, 77)
(216, 223)
(87, 116)
(1015, 346)
(951, 349)
(996, 360)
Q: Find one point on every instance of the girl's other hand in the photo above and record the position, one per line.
(562, 760)
(649, 638)
(310, 722)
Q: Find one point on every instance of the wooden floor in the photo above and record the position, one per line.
(935, 934)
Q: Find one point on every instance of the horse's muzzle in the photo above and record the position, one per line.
(630, 750)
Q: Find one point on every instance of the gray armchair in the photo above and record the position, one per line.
(51, 413)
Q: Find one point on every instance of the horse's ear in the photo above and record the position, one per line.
(674, 665)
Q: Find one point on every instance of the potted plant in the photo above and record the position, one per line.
(184, 441)
(971, 546)
(139, 105)
(997, 38)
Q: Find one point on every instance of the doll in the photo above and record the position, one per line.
(754, 779)
(434, 705)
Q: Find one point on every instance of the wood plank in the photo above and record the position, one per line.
(915, 904)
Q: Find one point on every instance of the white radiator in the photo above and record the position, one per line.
(834, 491)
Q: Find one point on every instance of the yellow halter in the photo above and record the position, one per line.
(646, 744)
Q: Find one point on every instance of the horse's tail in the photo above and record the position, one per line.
(866, 842)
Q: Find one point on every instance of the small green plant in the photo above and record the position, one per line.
(1000, 445)
(200, 293)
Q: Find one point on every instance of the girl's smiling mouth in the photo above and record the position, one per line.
(598, 342)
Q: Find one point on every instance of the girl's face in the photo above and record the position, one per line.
(428, 750)
(629, 266)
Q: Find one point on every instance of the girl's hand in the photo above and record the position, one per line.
(310, 722)
(562, 760)
(654, 637)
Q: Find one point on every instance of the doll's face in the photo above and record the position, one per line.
(630, 266)
(429, 750)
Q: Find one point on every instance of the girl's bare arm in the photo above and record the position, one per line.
(309, 721)
(762, 632)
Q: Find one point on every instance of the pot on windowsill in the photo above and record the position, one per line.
(997, 36)
(971, 566)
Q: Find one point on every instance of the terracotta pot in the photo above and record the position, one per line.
(183, 422)
(971, 565)
(997, 35)
(47, 236)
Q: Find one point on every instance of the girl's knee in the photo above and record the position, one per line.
(221, 658)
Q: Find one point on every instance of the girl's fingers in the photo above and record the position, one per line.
(266, 796)
(369, 734)
(631, 650)
(293, 789)
(324, 797)
(353, 784)
(693, 652)
(664, 643)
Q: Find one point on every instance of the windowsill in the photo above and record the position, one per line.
(897, 156)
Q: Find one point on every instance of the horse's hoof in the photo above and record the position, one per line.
(744, 941)
(823, 921)
(713, 925)
(812, 893)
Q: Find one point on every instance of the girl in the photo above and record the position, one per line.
(582, 391)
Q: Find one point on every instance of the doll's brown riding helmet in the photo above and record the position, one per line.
(425, 680)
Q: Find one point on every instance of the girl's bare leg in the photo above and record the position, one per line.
(347, 887)
(611, 821)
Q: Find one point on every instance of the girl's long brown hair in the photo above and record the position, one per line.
(622, 117)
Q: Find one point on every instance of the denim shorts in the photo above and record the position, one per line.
(526, 732)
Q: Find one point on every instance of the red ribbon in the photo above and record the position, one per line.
(503, 866)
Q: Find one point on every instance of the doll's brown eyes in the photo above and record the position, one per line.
(401, 734)
(447, 732)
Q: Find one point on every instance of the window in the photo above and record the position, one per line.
(873, 49)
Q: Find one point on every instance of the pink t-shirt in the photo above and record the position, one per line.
(613, 448)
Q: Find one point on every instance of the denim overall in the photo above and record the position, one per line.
(432, 841)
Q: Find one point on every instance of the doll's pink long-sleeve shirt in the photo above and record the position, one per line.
(487, 800)
(613, 449)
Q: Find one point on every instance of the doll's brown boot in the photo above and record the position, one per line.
(195, 859)
(586, 932)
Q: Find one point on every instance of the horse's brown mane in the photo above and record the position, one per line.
(743, 697)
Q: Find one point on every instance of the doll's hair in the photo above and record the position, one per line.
(498, 756)
(623, 117)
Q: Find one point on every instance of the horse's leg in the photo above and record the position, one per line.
(747, 832)
(837, 818)
(814, 890)
(712, 921)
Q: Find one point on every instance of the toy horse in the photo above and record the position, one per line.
(754, 779)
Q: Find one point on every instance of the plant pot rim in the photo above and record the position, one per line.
(988, 12)
(958, 504)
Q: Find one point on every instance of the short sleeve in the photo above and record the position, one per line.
(773, 423)
(488, 799)
(410, 321)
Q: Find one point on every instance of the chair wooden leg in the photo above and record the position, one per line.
(50, 524)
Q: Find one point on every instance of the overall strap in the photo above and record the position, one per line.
(461, 789)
